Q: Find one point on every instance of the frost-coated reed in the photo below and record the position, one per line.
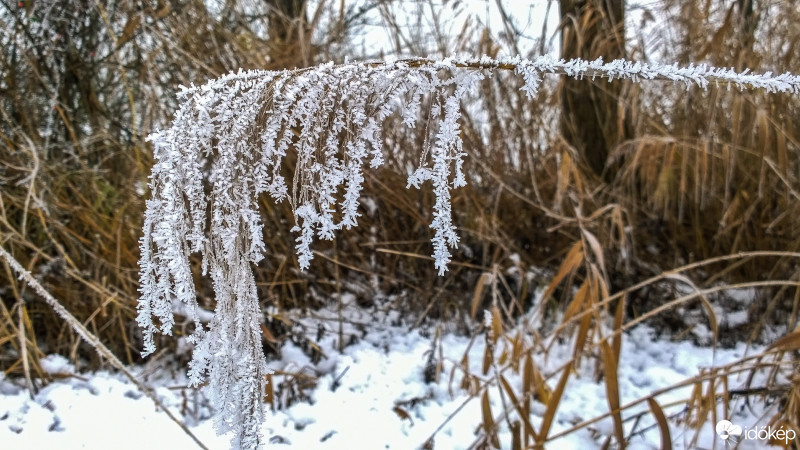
(227, 144)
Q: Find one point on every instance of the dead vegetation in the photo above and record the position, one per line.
(700, 199)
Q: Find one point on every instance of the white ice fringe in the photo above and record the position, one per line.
(226, 146)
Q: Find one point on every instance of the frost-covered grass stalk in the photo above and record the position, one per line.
(226, 147)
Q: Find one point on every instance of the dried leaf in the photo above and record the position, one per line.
(576, 305)
(268, 335)
(516, 353)
(529, 430)
(571, 262)
(269, 394)
(402, 414)
(161, 13)
(663, 425)
(503, 358)
(612, 390)
(788, 342)
(552, 404)
(596, 248)
(488, 357)
(130, 28)
(619, 316)
(527, 376)
(477, 294)
(497, 324)
(488, 420)
(582, 336)
(516, 431)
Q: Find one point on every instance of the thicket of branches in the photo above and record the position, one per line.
(692, 179)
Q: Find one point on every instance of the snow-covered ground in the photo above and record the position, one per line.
(361, 397)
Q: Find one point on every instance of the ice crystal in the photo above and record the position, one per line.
(226, 147)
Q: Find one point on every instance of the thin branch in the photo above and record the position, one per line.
(91, 339)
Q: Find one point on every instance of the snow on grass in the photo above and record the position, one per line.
(357, 390)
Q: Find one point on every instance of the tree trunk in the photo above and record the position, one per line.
(592, 120)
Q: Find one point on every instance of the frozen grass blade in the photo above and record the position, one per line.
(92, 340)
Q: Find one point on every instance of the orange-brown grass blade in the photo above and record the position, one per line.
(466, 382)
(533, 382)
(718, 38)
(571, 263)
(663, 426)
(703, 405)
(665, 275)
(619, 316)
(612, 389)
(726, 397)
(596, 248)
(583, 301)
(269, 392)
(488, 421)
(527, 390)
(788, 342)
(516, 353)
(130, 28)
(497, 324)
(529, 430)
(601, 290)
(488, 356)
(478, 293)
(710, 402)
(516, 441)
(694, 402)
(268, 335)
(528, 381)
(582, 337)
(503, 358)
(552, 404)
(576, 305)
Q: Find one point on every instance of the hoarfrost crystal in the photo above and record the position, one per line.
(226, 147)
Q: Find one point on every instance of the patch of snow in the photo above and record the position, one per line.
(56, 364)
(358, 392)
(736, 318)
(742, 296)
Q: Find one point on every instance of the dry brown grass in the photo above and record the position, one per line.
(596, 333)
(704, 194)
(73, 160)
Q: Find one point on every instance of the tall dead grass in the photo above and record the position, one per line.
(703, 195)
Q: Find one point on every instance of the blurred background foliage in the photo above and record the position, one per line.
(651, 176)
